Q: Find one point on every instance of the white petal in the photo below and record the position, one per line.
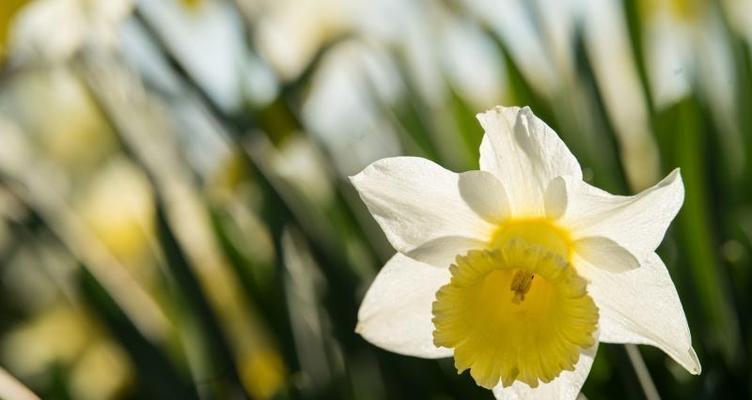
(525, 154)
(641, 306)
(555, 198)
(416, 201)
(566, 387)
(637, 223)
(485, 195)
(605, 253)
(442, 251)
(396, 311)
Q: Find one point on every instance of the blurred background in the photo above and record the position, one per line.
(176, 220)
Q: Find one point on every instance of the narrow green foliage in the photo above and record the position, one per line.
(157, 375)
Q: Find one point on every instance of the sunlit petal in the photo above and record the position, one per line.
(637, 223)
(396, 311)
(605, 253)
(525, 154)
(642, 306)
(416, 201)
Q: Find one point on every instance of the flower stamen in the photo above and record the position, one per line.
(521, 285)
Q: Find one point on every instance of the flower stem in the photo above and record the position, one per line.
(643, 375)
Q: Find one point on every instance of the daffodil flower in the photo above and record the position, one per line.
(520, 269)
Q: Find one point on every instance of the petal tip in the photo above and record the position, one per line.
(675, 179)
(359, 328)
(672, 178)
(695, 368)
(357, 178)
(526, 112)
(491, 112)
(352, 179)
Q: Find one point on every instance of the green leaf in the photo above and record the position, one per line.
(228, 381)
(683, 138)
(157, 376)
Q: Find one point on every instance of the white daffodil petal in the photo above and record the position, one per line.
(555, 198)
(416, 201)
(566, 387)
(637, 223)
(441, 252)
(641, 306)
(396, 311)
(525, 155)
(606, 254)
(493, 204)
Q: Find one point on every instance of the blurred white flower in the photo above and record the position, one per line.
(739, 13)
(293, 31)
(520, 269)
(613, 64)
(300, 162)
(340, 109)
(67, 336)
(53, 30)
(473, 65)
(208, 39)
(671, 28)
(53, 105)
(511, 21)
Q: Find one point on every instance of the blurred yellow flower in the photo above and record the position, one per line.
(8, 10)
(64, 335)
(58, 334)
(101, 372)
(54, 107)
(118, 206)
(263, 374)
(192, 4)
(686, 10)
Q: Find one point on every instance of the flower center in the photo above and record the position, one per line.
(535, 231)
(517, 310)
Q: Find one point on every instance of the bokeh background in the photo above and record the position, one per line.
(176, 220)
